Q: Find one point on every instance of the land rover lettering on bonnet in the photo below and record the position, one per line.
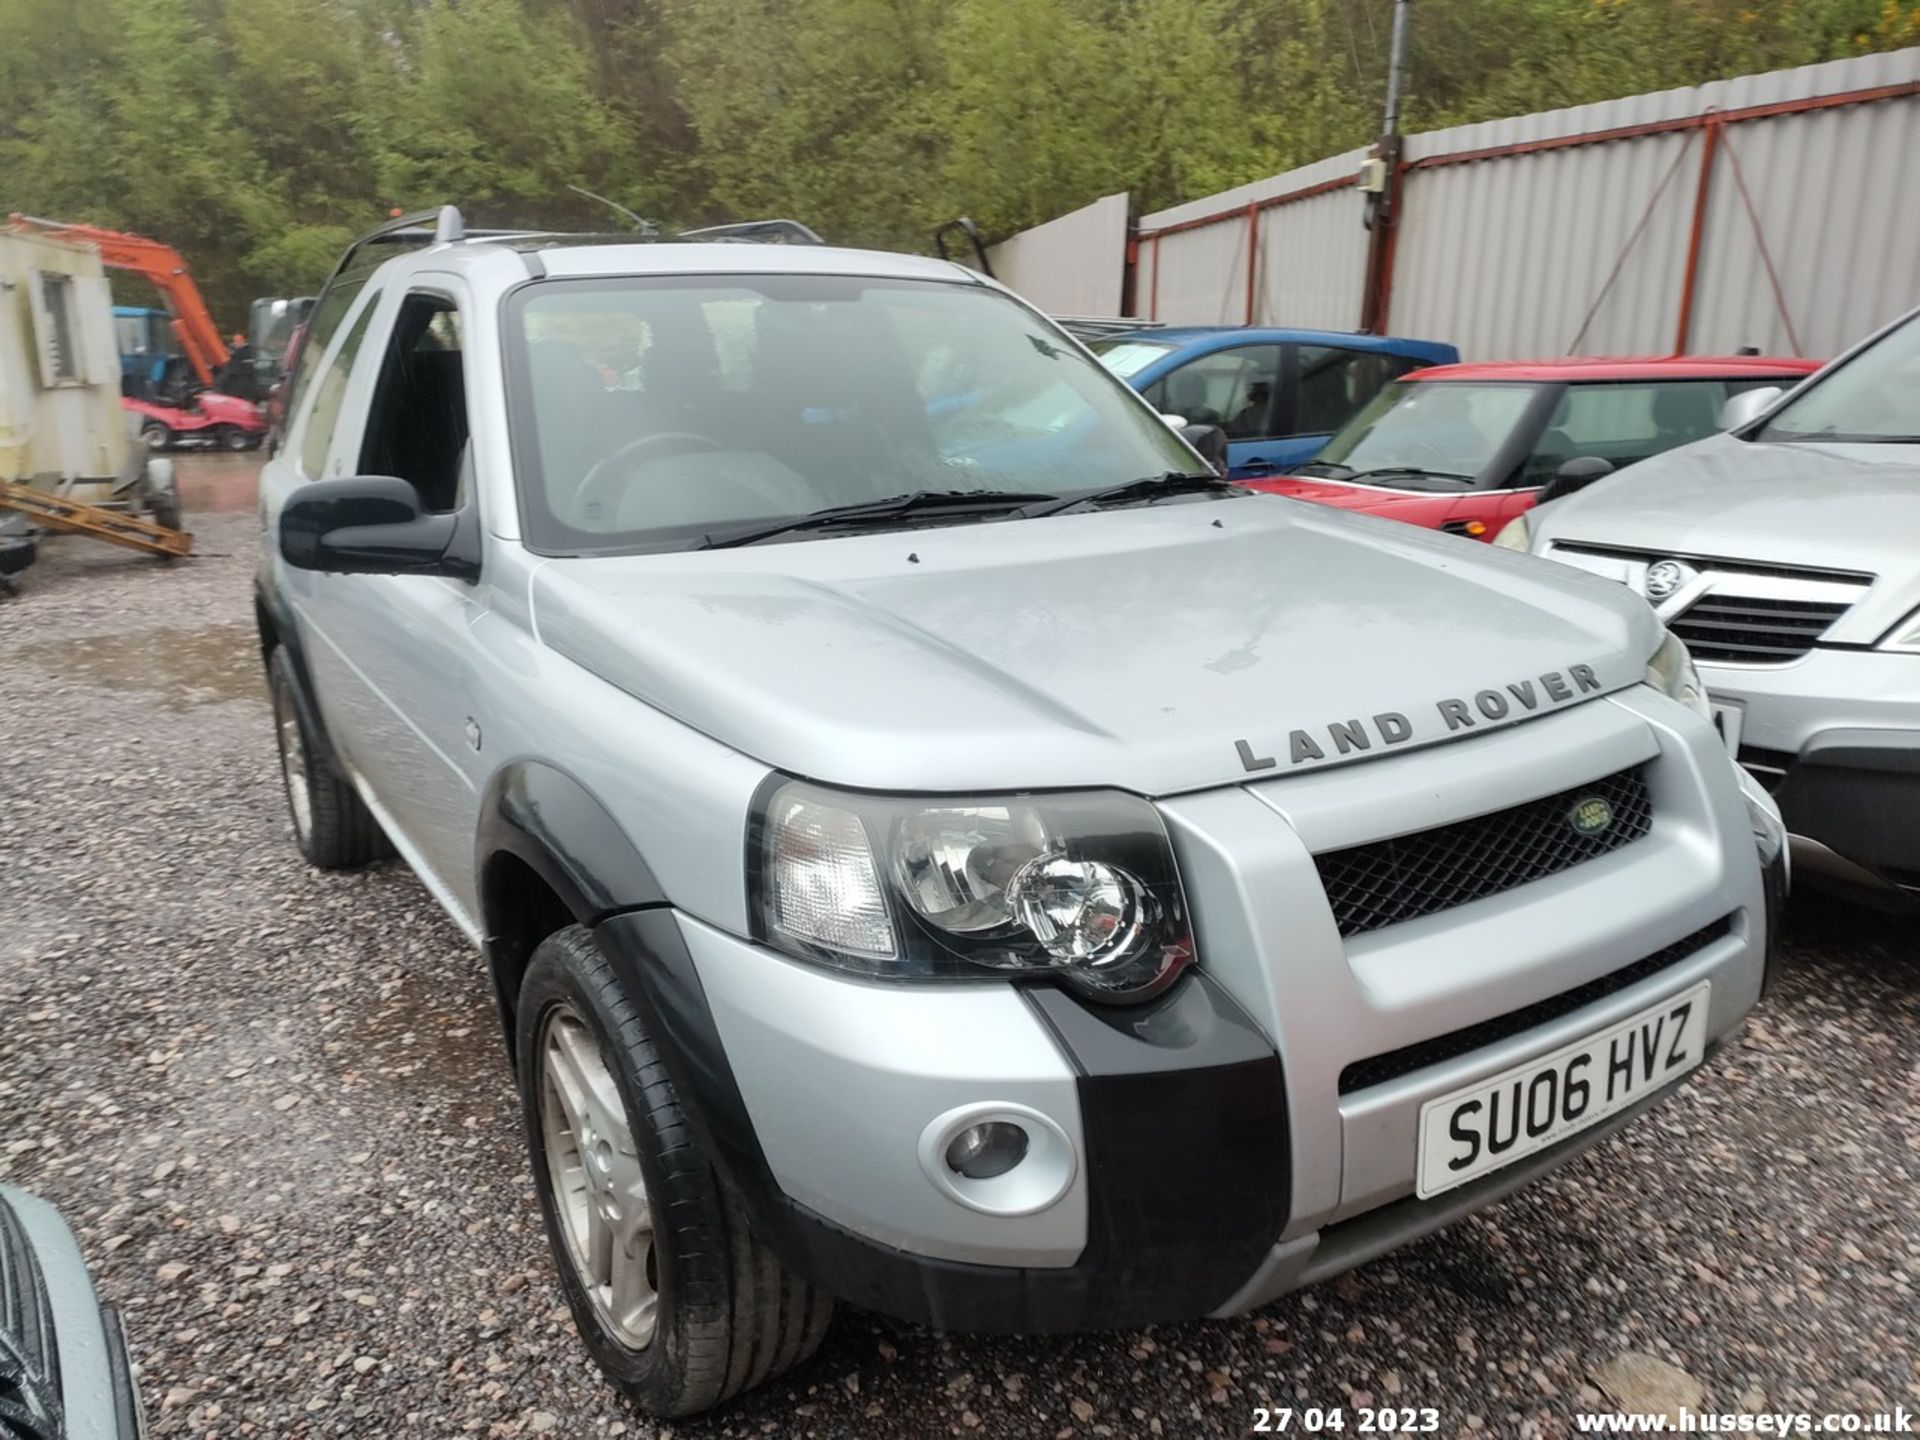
(1512, 701)
(899, 875)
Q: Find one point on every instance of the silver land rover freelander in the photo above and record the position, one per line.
(1786, 553)
(939, 847)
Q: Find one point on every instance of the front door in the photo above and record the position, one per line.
(396, 680)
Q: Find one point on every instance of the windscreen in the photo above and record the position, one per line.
(651, 411)
(1443, 428)
(1873, 398)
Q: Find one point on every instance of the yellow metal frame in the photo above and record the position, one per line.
(74, 517)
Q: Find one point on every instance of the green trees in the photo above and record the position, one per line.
(257, 135)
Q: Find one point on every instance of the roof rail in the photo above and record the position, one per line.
(765, 232)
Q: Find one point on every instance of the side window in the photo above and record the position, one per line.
(53, 319)
(1624, 423)
(322, 323)
(1233, 389)
(329, 390)
(417, 420)
(1334, 383)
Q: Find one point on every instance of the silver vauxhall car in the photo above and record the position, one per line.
(935, 844)
(1786, 554)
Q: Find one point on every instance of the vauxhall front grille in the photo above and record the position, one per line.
(1387, 881)
(1751, 631)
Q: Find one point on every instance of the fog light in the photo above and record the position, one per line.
(980, 1152)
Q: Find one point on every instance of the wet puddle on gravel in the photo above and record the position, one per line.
(185, 668)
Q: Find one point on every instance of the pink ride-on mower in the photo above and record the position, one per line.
(207, 420)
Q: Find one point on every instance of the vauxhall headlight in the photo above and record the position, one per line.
(1671, 672)
(1079, 885)
(1516, 534)
(1904, 636)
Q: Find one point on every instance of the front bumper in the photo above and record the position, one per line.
(816, 1095)
(1223, 1150)
(1836, 737)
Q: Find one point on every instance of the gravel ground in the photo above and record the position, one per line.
(275, 1105)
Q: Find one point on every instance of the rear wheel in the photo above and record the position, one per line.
(676, 1298)
(232, 437)
(331, 825)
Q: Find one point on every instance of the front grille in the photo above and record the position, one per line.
(1387, 881)
(1717, 565)
(1364, 1074)
(1752, 631)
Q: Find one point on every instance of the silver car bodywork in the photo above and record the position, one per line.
(1823, 537)
(1240, 665)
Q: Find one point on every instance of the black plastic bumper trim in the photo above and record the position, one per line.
(1183, 1114)
(1861, 800)
(1379, 1069)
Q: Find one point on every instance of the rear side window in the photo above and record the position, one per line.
(329, 390)
(324, 319)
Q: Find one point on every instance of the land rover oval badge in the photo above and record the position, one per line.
(1590, 817)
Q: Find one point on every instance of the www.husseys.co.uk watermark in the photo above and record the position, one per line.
(1898, 1421)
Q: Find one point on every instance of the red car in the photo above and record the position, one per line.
(1465, 448)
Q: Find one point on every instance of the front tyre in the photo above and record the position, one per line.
(156, 435)
(678, 1302)
(333, 828)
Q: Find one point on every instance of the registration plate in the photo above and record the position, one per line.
(1727, 720)
(1477, 1130)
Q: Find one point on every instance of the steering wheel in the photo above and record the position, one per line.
(615, 470)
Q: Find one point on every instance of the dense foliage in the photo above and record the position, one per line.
(257, 135)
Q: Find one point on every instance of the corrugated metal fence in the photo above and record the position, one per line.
(1077, 261)
(1778, 210)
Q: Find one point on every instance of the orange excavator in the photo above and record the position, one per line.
(161, 266)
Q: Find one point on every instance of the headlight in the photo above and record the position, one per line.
(1905, 635)
(1516, 534)
(1671, 672)
(1078, 885)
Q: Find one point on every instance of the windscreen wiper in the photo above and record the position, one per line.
(1152, 487)
(1421, 471)
(894, 507)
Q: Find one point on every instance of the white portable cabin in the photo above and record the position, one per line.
(61, 423)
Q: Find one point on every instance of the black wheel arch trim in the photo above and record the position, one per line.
(550, 820)
(1184, 1119)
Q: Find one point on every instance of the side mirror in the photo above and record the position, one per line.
(373, 525)
(1210, 441)
(1576, 474)
(1747, 405)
